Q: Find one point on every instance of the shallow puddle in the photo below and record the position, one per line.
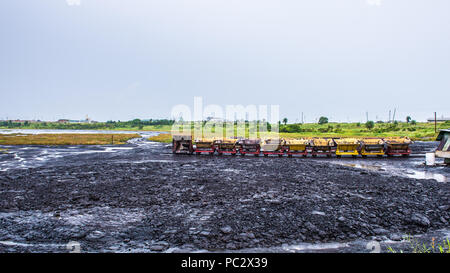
(429, 175)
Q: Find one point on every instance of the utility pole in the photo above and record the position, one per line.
(435, 123)
(389, 121)
(393, 116)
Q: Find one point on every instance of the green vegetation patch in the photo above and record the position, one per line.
(165, 138)
(66, 139)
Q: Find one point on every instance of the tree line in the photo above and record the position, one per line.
(132, 124)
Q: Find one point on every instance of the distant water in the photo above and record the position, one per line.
(61, 131)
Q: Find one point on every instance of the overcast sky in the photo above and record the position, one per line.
(119, 60)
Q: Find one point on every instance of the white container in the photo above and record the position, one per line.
(430, 159)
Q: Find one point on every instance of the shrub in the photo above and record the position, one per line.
(323, 120)
(294, 128)
(370, 124)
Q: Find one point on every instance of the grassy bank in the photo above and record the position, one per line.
(66, 139)
(417, 132)
(151, 128)
(132, 125)
(166, 138)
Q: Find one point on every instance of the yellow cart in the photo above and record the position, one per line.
(296, 147)
(397, 146)
(205, 145)
(347, 146)
(273, 147)
(226, 146)
(322, 146)
(372, 146)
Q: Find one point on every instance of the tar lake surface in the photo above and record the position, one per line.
(139, 197)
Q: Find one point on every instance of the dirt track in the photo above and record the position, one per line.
(145, 199)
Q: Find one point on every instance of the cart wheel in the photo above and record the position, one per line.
(379, 156)
(354, 156)
(338, 156)
(364, 156)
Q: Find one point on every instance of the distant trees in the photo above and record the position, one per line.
(370, 124)
(326, 130)
(291, 128)
(413, 122)
(323, 120)
(136, 123)
(285, 120)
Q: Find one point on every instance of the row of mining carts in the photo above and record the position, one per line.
(390, 146)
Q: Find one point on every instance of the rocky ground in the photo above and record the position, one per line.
(191, 203)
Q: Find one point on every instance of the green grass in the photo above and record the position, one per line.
(130, 125)
(433, 247)
(162, 128)
(165, 138)
(65, 139)
(420, 131)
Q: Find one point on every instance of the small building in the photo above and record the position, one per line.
(21, 121)
(439, 119)
(443, 149)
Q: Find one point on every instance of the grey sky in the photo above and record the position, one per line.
(136, 59)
